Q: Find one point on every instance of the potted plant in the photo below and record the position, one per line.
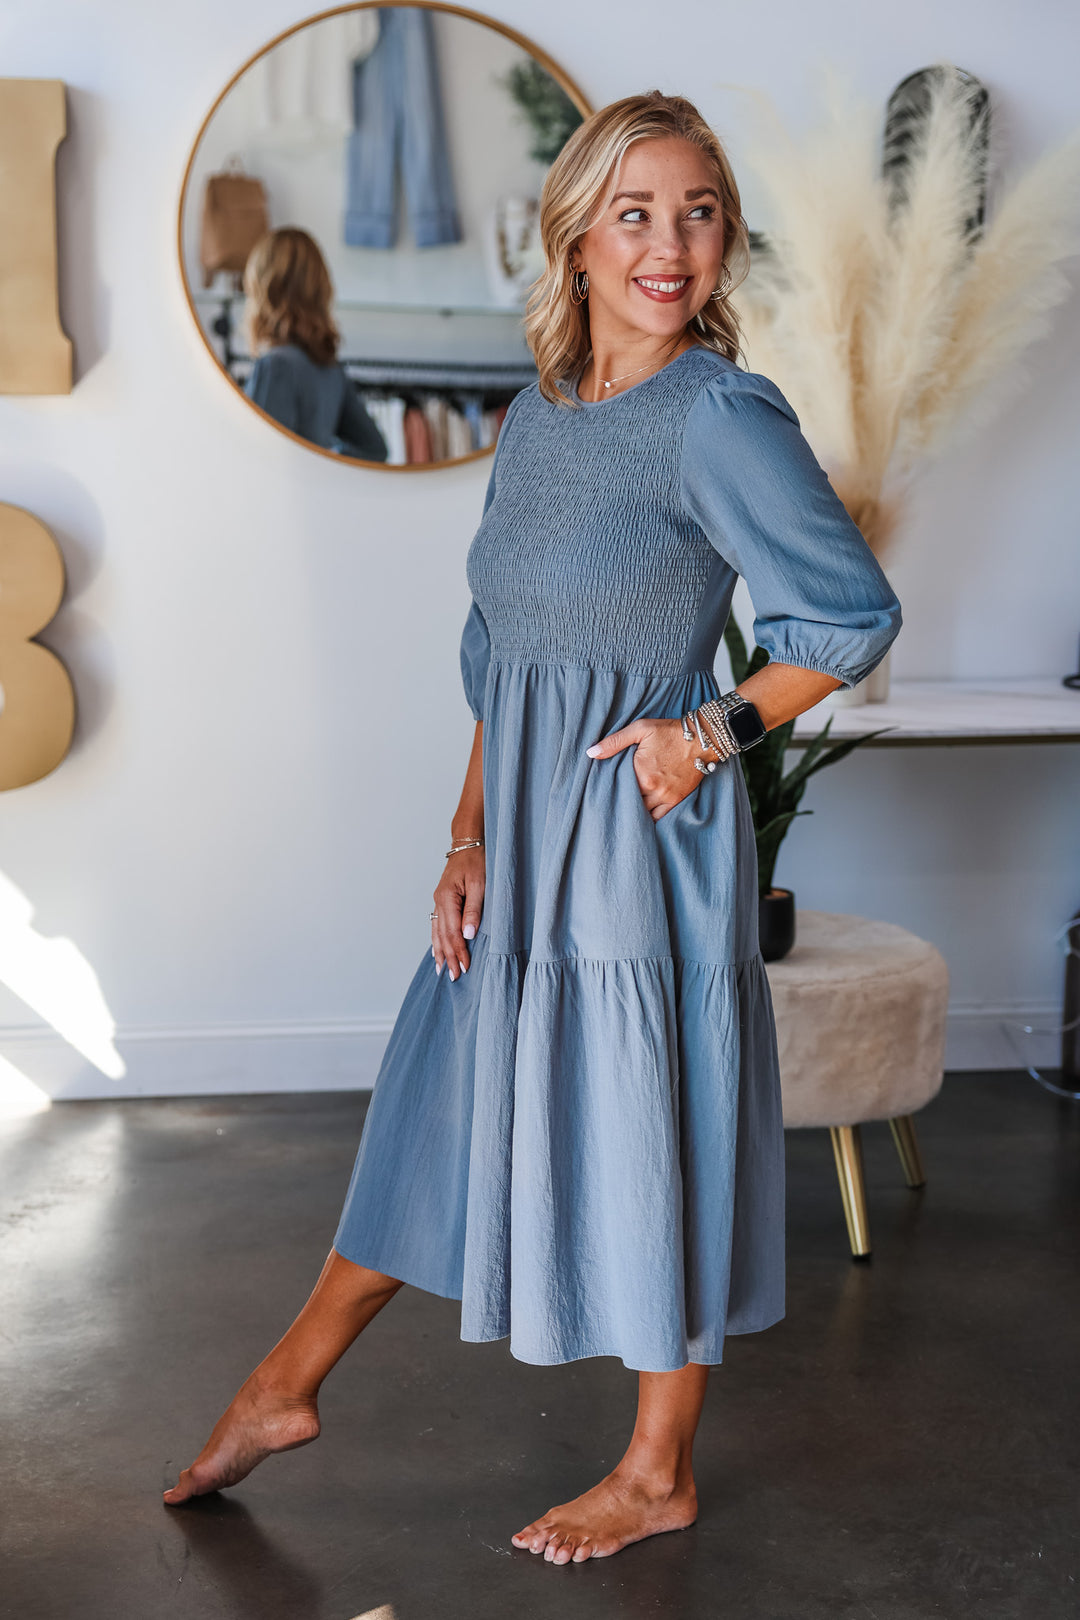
(775, 796)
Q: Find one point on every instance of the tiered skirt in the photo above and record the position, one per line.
(581, 1137)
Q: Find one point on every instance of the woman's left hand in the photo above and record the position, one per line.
(663, 761)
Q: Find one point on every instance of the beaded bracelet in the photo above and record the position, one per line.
(714, 712)
(723, 751)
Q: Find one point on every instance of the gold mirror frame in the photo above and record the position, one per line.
(546, 62)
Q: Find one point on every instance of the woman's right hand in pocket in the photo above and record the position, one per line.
(458, 902)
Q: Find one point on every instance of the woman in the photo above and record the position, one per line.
(296, 377)
(576, 1128)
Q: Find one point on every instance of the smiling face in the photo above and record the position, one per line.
(655, 255)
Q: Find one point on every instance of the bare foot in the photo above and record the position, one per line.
(258, 1422)
(621, 1509)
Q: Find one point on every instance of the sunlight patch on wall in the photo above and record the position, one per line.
(19, 1097)
(54, 979)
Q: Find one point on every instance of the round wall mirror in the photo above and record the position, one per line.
(358, 228)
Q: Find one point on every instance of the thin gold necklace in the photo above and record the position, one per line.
(634, 373)
(626, 374)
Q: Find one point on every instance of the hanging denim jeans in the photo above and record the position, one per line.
(398, 118)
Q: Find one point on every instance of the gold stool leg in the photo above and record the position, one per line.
(847, 1149)
(907, 1145)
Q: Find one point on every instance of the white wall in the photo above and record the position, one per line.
(242, 845)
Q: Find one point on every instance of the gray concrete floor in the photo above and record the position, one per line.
(902, 1446)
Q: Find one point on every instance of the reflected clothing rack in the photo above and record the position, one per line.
(477, 391)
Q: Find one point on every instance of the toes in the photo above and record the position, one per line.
(540, 1535)
(194, 1481)
(180, 1491)
(558, 1546)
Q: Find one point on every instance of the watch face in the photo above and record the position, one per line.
(746, 725)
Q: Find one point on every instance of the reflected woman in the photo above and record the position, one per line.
(297, 378)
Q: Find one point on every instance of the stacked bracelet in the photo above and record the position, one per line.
(458, 844)
(712, 743)
(714, 712)
(715, 732)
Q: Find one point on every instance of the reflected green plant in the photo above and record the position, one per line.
(545, 106)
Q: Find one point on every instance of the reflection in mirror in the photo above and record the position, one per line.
(358, 228)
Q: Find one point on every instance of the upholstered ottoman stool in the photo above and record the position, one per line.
(860, 1025)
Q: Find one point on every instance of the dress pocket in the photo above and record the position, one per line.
(681, 811)
(676, 809)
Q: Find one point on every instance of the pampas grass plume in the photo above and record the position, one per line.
(891, 332)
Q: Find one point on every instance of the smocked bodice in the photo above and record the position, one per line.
(613, 535)
(586, 553)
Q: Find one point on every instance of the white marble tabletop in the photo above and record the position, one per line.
(958, 711)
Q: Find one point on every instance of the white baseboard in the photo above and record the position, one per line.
(232, 1059)
(219, 1060)
(1006, 1035)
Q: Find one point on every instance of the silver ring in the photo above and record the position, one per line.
(432, 915)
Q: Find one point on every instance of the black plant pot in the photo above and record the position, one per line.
(776, 923)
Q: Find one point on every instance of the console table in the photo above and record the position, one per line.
(922, 714)
(935, 713)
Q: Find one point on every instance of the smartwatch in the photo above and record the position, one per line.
(745, 726)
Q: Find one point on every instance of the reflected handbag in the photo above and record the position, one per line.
(234, 216)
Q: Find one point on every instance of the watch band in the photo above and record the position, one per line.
(739, 719)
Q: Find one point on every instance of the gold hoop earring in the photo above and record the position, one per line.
(579, 285)
(721, 292)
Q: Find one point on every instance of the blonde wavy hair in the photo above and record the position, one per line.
(578, 188)
(289, 295)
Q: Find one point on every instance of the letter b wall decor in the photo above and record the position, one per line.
(38, 714)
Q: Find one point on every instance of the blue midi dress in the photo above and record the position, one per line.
(581, 1137)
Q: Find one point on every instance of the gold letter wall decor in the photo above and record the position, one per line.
(35, 355)
(38, 714)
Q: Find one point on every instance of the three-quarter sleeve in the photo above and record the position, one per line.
(271, 385)
(750, 479)
(475, 656)
(475, 651)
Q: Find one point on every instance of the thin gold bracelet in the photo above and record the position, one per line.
(457, 845)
